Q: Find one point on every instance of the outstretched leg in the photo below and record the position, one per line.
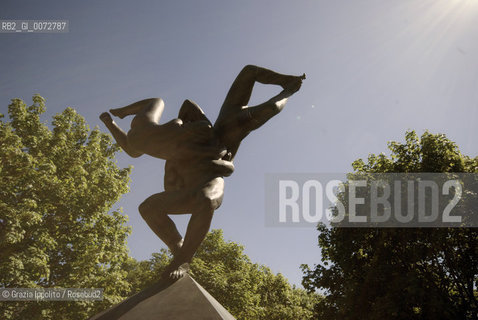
(119, 135)
(236, 120)
(151, 108)
(256, 116)
(146, 122)
(241, 89)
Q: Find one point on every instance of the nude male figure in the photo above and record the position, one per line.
(198, 155)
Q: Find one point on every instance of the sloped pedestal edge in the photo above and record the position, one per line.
(182, 300)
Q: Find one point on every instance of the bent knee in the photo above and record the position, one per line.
(209, 204)
(210, 199)
(156, 101)
(146, 208)
(249, 70)
(143, 208)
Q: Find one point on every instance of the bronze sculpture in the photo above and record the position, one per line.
(198, 155)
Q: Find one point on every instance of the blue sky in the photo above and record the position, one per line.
(375, 68)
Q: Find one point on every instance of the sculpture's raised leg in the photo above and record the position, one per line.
(119, 135)
(236, 120)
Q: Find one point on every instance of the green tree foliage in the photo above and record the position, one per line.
(249, 291)
(393, 273)
(56, 189)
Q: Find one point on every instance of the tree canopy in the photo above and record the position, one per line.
(397, 273)
(57, 187)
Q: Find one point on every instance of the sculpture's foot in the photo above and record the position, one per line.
(117, 113)
(106, 118)
(175, 272)
(293, 84)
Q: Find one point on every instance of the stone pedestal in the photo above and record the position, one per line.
(182, 300)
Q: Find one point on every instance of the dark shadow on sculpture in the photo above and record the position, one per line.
(198, 155)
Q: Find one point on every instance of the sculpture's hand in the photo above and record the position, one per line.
(217, 167)
(223, 167)
(227, 156)
(195, 151)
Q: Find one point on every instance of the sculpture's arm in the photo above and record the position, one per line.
(218, 167)
(226, 168)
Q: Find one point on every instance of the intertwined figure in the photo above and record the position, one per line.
(198, 155)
